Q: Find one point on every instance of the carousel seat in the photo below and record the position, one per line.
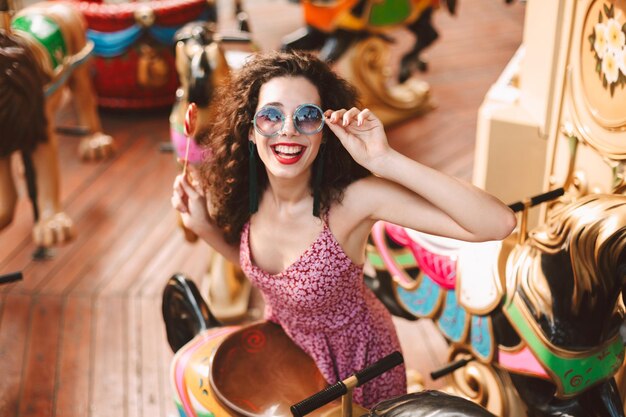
(258, 371)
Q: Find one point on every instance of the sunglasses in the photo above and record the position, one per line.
(308, 119)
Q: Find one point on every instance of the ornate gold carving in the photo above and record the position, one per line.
(595, 98)
(144, 16)
(482, 384)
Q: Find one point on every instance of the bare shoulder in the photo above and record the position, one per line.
(353, 216)
(361, 196)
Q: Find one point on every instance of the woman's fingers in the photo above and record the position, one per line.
(349, 116)
(188, 188)
(346, 117)
(335, 116)
(364, 115)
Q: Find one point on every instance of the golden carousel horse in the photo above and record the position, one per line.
(42, 50)
(355, 35)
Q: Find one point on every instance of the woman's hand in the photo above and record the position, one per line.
(189, 199)
(361, 133)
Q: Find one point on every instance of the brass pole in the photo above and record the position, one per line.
(346, 400)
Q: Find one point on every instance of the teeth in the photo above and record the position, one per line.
(290, 150)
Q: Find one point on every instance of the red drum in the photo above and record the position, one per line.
(133, 60)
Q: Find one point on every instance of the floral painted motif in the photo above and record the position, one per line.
(608, 43)
(322, 303)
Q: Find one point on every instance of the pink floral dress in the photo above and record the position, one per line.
(323, 304)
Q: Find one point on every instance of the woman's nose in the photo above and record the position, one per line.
(289, 127)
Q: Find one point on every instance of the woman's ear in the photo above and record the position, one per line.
(251, 135)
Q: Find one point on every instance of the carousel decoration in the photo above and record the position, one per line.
(43, 49)
(355, 34)
(134, 61)
(608, 41)
(539, 313)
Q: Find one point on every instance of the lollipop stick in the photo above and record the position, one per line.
(186, 156)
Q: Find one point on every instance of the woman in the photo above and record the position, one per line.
(289, 194)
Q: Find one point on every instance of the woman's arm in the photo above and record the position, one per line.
(193, 207)
(413, 195)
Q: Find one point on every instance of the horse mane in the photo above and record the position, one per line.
(591, 234)
(428, 403)
(22, 102)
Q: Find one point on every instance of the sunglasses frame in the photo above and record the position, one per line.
(293, 118)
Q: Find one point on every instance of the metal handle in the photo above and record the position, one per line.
(538, 199)
(335, 391)
(449, 368)
(10, 277)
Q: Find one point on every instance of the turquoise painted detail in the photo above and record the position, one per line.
(181, 411)
(423, 301)
(111, 44)
(480, 336)
(452, 319)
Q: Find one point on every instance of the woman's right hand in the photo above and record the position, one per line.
(189, 199)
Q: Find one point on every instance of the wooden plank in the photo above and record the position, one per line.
(109, 361)
(74, 358)
(121, 210)
(14, 339)
(132, 271)
(37, 396)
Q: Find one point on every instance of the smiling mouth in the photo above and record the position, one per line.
(288, 153)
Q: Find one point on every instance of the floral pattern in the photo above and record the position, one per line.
(322, 303)
(608, 43)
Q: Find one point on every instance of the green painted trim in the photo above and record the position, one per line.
(404, 260)
(47, 32)
(390, 12)
(574, 374)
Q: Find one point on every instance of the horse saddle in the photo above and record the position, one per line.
(258, 371)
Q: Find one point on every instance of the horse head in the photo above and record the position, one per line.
(200, 62)
(428, 404)
(563, 286)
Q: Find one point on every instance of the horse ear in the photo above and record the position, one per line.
(191, 119)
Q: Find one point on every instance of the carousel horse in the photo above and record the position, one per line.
(334, 26)
(541, 314)
(257, 370)
(202, 66)
(42, 50)
(355, 36)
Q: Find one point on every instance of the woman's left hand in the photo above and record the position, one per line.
(361, 133)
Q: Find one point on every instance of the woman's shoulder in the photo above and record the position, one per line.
(358, 197)
(364, 187)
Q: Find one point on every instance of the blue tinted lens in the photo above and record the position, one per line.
(308, 119)
(268, 121)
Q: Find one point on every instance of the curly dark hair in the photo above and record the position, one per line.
(22, 101)
(226, 174)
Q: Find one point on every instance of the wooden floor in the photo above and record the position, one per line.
(82, 334)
